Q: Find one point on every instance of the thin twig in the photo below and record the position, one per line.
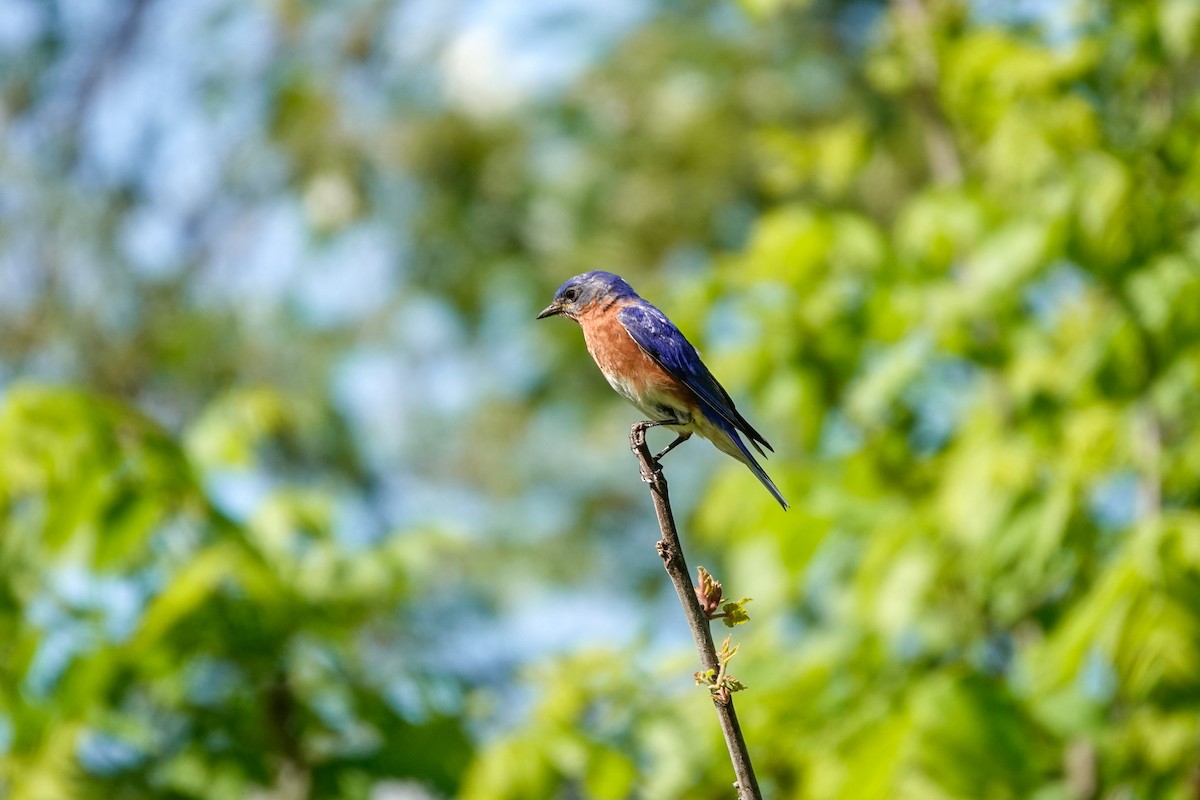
(673, 560)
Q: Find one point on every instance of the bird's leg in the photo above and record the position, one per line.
(680, 439)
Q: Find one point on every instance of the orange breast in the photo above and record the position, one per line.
(627, 367)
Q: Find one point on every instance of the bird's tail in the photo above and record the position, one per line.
(727, 441)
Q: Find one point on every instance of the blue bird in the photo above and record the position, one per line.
(650, 363)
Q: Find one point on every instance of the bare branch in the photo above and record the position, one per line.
(672, 555)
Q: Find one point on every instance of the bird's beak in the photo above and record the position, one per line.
(551, 310)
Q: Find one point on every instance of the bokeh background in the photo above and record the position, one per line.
(299, 501)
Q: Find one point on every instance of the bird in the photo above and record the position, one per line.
(650, 363)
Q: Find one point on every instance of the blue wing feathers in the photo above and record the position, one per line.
(664, 342)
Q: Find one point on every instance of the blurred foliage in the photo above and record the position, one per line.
(309, 520)
(238, 655)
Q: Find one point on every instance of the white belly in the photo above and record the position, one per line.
(654, 405)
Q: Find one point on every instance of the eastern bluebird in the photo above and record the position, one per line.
(652, 365)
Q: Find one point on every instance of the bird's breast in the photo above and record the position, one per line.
(631, 372)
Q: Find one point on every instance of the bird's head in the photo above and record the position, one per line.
(586, 290)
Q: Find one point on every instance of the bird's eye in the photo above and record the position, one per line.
(570, 295)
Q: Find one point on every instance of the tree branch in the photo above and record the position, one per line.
(672, 555)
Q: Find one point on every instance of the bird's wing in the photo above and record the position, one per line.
(664, 343)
